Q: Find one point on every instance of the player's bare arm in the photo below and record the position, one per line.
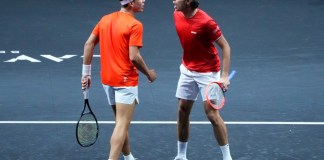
(226, 57)
(87, 59)
(136, 58)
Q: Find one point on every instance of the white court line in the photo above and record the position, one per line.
(167, 122)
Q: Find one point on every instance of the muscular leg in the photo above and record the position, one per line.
(219, 127)
(184, 109)
(126, 147)
(183, 126)
(124, 115)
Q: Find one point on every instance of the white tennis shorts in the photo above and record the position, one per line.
(191, 83)
(125, 95)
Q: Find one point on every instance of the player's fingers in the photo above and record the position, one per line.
(225, 86)
(89, 83)
(85, 82)
(152, 76)
(225, 89)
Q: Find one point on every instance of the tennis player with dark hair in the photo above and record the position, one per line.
(119, 35)
(201, 64)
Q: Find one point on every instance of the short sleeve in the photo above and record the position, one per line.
(95, 31)
(214, 30)
(136, 35)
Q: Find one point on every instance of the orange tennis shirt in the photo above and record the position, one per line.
(117, 31)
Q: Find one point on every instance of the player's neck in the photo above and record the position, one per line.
(127, 11)
(190, 13)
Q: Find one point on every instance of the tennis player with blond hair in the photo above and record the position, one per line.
(119, 35)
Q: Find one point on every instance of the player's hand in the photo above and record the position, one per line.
(151, 75)
(85, 81)
(226, 83)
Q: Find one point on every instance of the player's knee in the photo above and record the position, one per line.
(122, 126)
(182, 109)
(185, 106)
(215, 119)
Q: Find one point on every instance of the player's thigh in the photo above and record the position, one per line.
(124, 113)
(185, 105)
(210, 111)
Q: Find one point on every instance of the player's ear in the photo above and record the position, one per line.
(132, 3)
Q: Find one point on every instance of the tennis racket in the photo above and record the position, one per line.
(215, 93)
(87, 128)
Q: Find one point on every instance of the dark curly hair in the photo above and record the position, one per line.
(194, 4)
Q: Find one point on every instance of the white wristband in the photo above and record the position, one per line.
(86, 69)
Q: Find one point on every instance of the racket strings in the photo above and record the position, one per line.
(87, 130)
(215, 95)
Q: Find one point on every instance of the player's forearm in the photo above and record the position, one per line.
(226, 55)
(88, 49)
(137, 60)
(140, 64)
(88, 53)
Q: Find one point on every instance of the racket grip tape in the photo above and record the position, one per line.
(86, 93)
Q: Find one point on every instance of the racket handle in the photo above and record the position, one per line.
(86, 93)
(232, 74)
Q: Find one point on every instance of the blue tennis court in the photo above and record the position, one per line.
(274, 107)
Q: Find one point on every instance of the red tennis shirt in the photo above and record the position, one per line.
(197, 36)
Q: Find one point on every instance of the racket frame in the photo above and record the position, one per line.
(221, 86)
